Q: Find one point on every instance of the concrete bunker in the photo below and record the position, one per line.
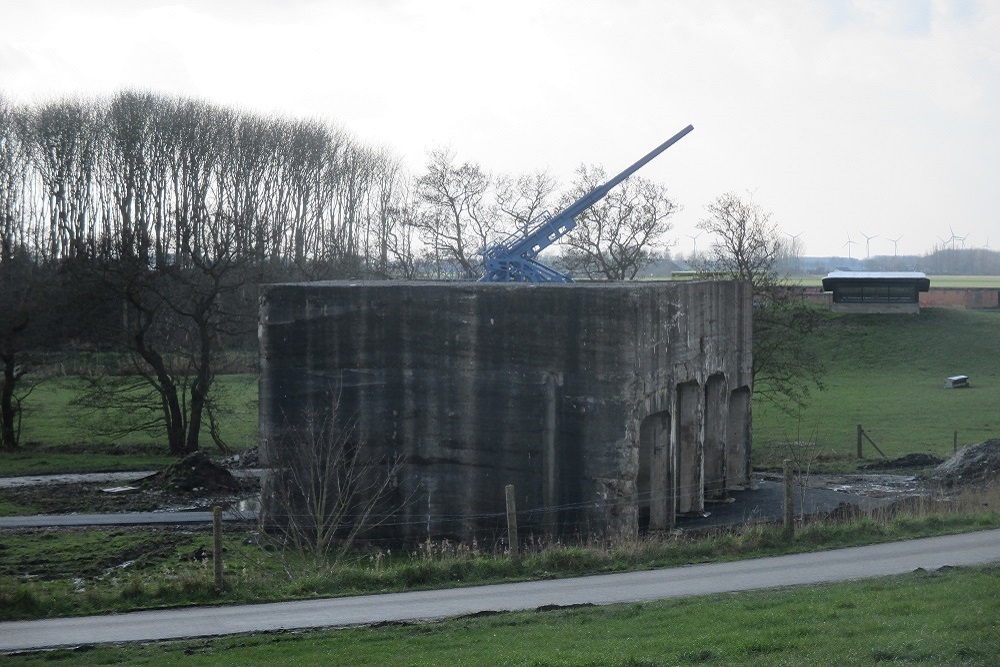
(610, 407)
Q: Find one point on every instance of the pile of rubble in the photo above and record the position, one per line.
(248, 458)
(973, 465)
(194, 473)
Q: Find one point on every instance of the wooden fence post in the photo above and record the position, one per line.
(217, 547)
(789, 501)
(511, 522)
(860, 432)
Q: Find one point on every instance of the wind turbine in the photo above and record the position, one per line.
(953, 237)
(894, 242)
(794, 250)
(694, 244)
(868, 244)
(849, 243)
(794, 244)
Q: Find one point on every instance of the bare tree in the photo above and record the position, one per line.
(16, 270)
(310, 149)
(523, 198)
(249, 182)
(325, 489)
(746, 242)
(389, 235)
(16, 283)
(621, 234)
(193, 134)
(13, 176)
(747, 245)
(64, 141)
(456, 221)
(175, 309)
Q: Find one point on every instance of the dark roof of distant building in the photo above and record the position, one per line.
(834, 277)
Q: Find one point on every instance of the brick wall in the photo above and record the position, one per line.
(960, 297)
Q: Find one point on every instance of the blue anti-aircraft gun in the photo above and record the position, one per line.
(513, 259)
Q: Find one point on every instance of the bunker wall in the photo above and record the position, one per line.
(475, 386)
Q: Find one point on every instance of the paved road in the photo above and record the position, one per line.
(73, 478)
(839, 565)
(123, 519)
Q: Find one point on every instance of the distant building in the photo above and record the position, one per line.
(876, 291)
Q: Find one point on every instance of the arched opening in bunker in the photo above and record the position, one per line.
(653, 479)
(716, 425)
(738, 436)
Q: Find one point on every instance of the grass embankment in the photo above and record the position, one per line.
(886, 373)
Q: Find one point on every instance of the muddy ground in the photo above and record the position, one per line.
(133, 495)
(198, 483)
(194, 482)
(91, 498)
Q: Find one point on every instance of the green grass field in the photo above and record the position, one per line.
(886, 373)
(57, 435)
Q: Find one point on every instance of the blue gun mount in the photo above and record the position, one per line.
(513, 259)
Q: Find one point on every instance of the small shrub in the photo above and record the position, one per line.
(20, 600)
(133, 589)
(569, 559)
(416, 573)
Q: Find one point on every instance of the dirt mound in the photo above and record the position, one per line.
(973, 465)
(903, 462)
(194, 473)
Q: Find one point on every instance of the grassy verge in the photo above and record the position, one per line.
(60, 572)
(924, 618)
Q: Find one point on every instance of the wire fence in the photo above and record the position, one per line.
(582, 518)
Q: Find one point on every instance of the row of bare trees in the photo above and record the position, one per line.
(168, 180)
(143, 223)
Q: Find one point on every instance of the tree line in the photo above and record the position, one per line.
(143, 224)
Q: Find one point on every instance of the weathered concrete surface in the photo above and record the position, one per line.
(589, 398)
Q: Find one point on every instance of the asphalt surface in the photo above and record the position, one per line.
(792, 570)
(765, 502)
(172, 518)
(73, 478)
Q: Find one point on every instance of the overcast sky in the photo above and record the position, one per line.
(845, 118)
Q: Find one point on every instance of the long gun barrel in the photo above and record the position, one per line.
(512, 259)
